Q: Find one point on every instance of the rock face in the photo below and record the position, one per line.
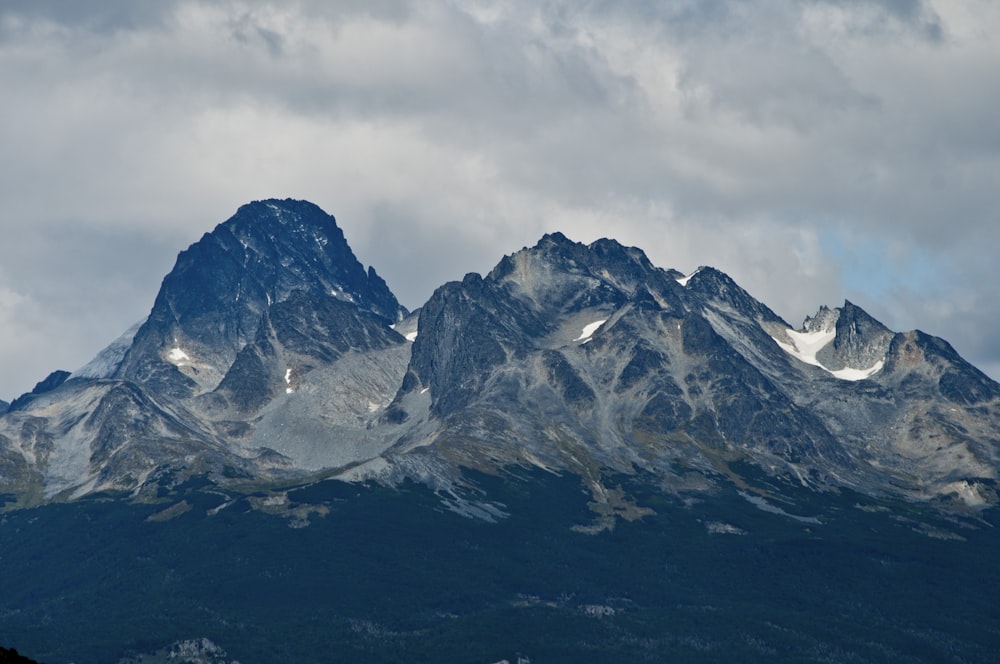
(271, 354)
(211, 304)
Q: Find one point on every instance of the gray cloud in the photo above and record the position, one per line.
(814, 150)
(64, 290)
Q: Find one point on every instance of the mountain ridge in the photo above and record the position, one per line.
(271, 355)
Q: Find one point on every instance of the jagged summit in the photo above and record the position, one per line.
(538, 299)
(558, 274)
(720, 291)
(213, 301)
(290, 245)
(595, 342)
(846, 342)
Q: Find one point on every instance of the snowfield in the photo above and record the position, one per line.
(805, 346)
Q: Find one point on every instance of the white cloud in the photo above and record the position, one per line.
(24, 336)
(445, 134)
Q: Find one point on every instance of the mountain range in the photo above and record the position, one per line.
(271, 356)
(578, 456)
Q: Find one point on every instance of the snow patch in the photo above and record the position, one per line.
(411, 336)
(178, 357)
(858, 374)
(288, 382)
(805, 346)
(589, 329)
(683, 281)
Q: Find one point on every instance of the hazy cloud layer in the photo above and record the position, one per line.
(815, 151)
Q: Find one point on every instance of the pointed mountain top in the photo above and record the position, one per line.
(290, 245)
(211, 303)
(715, 287)
(852, 314)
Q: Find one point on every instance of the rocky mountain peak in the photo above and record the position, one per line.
(212, 302)
(720, 293)
(823, 320)
(558, 275)
(845, 342)
(860, 341)
(275, 247)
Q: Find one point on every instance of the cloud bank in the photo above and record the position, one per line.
(815, 150)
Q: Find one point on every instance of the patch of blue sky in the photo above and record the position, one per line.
(876, 268)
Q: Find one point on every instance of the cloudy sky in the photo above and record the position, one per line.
(815, 150)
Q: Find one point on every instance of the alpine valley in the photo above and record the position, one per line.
(577, 457)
